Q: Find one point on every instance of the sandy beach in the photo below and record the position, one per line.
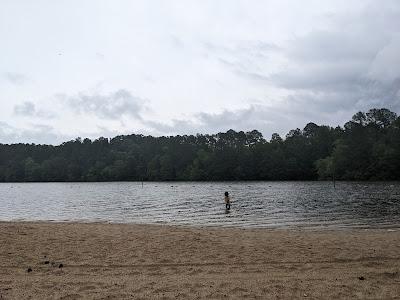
(104, 261)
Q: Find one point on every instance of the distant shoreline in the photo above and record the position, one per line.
(153, 261)
(365, 148)
(201, 181)
(292, 228)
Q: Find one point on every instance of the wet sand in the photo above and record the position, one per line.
(103, 261)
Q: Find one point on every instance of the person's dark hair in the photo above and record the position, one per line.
(226, 194)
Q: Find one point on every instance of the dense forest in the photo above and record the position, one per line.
(366, 148)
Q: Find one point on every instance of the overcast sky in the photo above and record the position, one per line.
(104, 68)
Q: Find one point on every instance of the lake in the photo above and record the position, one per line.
(254, 204)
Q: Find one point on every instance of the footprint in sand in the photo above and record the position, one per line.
(195, 272)
(71, 297)
(86, 288)
(238, 290)
(223, 285)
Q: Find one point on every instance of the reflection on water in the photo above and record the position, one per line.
(255, 204)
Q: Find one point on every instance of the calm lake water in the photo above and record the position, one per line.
(254, 204)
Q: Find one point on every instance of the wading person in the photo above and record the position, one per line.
(227, 201)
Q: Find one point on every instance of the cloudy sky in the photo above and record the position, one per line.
(102, 68)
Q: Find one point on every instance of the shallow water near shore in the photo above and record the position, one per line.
(254, 204)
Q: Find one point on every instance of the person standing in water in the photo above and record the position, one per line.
(227, 201)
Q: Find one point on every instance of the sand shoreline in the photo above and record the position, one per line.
(125, 261)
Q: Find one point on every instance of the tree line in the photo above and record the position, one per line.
(365, 148)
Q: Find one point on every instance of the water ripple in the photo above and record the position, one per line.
(255, 204)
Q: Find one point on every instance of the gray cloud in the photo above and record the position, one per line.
(16, 78)
(249, 48)
(328, 61)
(176, 41)
(349, 64)
(245, 57)
(111, 106)
(37, 133)
(266, 119)
(351, 69)
(25, 109)
(28, 109)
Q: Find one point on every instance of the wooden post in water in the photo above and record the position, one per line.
(334, 182)
(333, 177)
